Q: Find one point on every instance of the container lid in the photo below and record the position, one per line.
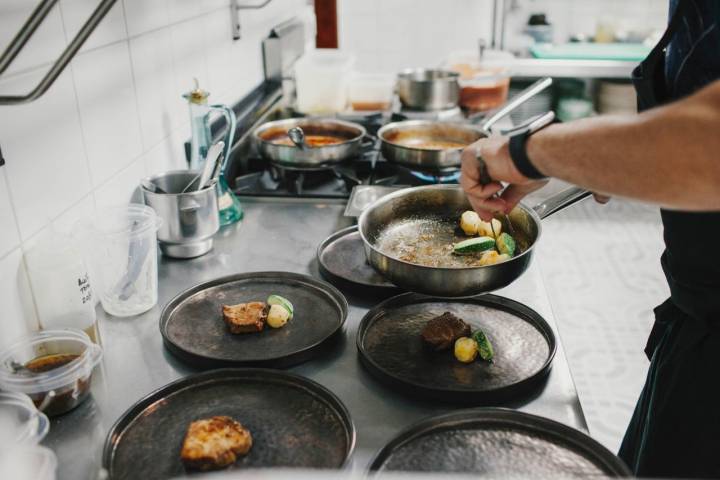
(28, 463)
(76, 341)
(20, 422)
(325, 58)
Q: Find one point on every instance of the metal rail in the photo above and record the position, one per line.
(28, 29)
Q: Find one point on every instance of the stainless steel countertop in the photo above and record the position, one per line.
(274, 235)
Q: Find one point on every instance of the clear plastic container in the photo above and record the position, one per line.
(484, 83)
(371, 92)
(53, 367)
(321, 81)
(61, 284)
(20, 422)
(122, 248)
(28, 463)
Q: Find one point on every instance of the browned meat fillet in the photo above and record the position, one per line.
(441, 332)
(245, 317)
(213, 443)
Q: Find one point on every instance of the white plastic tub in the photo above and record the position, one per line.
(321, 81)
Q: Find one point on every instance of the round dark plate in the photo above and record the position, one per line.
(498, 443)
(193, 329)
(294, 422)
(391, 349)
(341, 259)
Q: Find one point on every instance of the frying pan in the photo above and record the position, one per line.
(408, 237)
(349, 134)
(418, 144)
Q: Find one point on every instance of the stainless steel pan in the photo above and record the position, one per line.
(408, 237)
(349, 135)
(433, 146)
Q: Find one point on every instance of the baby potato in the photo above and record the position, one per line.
(277, 316)
(466, 349)
(469, 222)
(486, 230)
(489, 258)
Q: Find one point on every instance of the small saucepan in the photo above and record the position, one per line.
(408, 237)
(434, 146)
(428, 89)
(328, 142)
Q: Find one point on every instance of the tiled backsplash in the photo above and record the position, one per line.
(113, 116)
(388, 35)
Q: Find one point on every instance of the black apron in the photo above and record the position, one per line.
(675, 429)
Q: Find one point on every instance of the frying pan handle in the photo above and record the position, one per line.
(560, 200)
(516, 101)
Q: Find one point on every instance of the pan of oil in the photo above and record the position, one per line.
(408, 238)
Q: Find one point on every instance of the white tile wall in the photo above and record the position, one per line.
(114, 116)
(389, 35)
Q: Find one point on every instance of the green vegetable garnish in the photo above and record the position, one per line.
(484, 346)
(282, 301)
(472, 245)
(506, 244)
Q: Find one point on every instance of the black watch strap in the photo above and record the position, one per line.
(519, 156)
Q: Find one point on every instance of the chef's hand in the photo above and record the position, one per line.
(495, 153)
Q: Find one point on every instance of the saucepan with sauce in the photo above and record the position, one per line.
(52, 367)
(328, 142)
(432, 145)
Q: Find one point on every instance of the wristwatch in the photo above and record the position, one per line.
(518, 140)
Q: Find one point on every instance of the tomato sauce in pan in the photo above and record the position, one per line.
(311, 140)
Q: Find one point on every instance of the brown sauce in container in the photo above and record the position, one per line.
(46, 363)
(65, 398)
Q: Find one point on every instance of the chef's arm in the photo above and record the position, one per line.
(668, 155)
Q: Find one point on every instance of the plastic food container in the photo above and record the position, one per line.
(121, 243)
(484, 84)
(53, 368)
(321, 81)
(28, 463)
(20, 422)
(371, 92)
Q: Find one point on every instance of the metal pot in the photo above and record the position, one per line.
(190, 219)
(350, 137)
(424, 89)
(442, 205)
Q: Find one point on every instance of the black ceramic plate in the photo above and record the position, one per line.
(294, 422)
(498, 443)
(341, 259)
(193, 329)
(390, 348)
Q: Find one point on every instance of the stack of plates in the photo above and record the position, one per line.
(616, 97)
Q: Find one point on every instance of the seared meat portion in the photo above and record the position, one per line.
(441, 332)
(213, 443)
(245, 317)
